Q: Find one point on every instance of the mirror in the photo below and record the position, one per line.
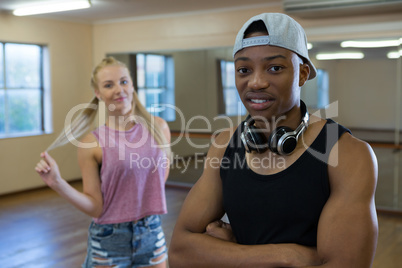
(364, 95)
(368, 92)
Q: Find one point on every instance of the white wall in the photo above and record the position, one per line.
(366, 91)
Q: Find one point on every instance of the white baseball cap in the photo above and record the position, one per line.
(283, 31)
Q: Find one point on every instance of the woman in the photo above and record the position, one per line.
(124, 166)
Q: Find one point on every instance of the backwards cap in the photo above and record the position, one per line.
(283, 31)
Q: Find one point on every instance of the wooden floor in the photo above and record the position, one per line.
(39, 229)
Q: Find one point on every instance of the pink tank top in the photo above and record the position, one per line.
(132, 175)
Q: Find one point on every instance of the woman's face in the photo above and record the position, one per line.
(115, 88)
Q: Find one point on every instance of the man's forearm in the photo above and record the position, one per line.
(201, 250)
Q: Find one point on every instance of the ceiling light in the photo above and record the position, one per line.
(369, 44)
(50, 8)
(309, 46)
(340, 55)
(394, 54)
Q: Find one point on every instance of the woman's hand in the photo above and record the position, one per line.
(48, 170)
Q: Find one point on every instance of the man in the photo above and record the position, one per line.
(298, 191)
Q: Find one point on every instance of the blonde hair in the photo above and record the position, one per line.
(83, 121)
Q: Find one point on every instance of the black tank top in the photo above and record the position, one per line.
(284, 207)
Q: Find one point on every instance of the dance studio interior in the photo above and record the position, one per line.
(180, 56)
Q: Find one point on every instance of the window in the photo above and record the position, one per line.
(315, 93)
(231, 100)
(21, 90)
(155, 84)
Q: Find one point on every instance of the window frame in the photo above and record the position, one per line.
(222, 87)
(316, 93)
(166, 91)
(45, 125)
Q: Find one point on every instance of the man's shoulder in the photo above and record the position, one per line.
(220, 141)
(224, 136)
(353, 155)
(354, 144)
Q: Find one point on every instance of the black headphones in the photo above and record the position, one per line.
(282, 141)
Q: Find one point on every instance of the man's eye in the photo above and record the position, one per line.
(124, 82)
(275, 68)
(242, 70)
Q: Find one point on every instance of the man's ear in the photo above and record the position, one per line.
(303, 74)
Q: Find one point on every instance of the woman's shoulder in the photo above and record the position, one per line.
(160, 122)
(89, 137)
(89, 147)
(163, 127)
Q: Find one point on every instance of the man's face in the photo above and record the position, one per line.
(268, 80)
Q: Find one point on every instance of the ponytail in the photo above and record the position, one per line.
(79, 126)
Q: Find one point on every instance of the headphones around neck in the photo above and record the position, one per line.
(282, 141)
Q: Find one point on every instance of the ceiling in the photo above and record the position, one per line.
(115, 10)
(106, 10)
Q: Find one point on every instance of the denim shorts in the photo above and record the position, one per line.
(128, 244)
